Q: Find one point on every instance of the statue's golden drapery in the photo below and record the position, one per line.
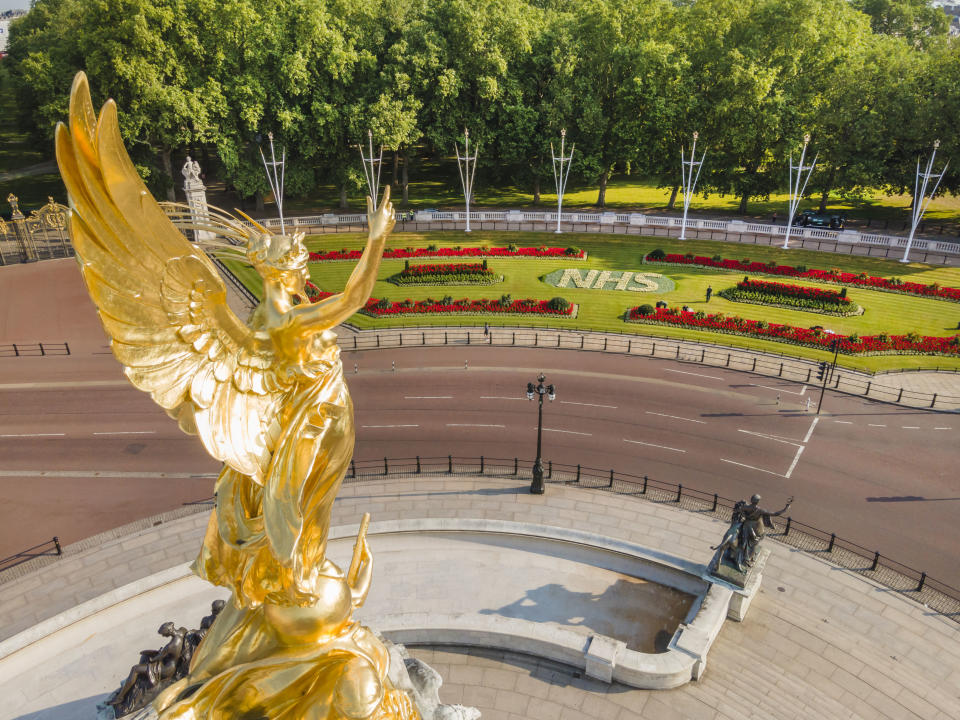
(266, 398)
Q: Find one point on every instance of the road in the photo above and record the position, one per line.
(84, 456)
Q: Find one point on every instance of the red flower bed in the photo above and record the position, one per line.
(383, 308)
(446, 269)
(391, 253)
(810, 337)
(793, 291)
(833, 276)
(445, 273)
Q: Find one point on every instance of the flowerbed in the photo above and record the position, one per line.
(446, 274)
(466, 306)
(816, 337)
(834, 275)
(794, 297)
(434, 251)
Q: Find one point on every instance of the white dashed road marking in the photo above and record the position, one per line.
(684, 372)
(662, 447)
(127, 432)
(571, 402)
(702, 422)
(472, 425)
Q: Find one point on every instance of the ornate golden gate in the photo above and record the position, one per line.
(41, 236)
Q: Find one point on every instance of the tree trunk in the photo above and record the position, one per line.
(259, 198)
(742, 209)
(396, 167)
(536, 189)
(343, 196)
(673, 197)
(405, 177)
(602, 195)
(168, 169)
(826, 191)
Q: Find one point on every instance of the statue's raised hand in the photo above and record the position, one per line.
(381, 220)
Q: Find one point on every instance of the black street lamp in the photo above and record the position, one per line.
(536, 487)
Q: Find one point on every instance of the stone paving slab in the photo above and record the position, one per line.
(818, 642)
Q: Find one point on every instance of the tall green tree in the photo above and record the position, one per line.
(146, 54)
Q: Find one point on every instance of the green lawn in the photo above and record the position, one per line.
(603, 310)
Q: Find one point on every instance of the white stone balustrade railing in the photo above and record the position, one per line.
(585, 222)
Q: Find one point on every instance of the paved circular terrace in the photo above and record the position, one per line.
(818, 641)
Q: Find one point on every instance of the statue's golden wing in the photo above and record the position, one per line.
(162, 301)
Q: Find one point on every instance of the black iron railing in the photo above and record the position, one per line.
(34, 349)
(50, 548)
(699, 352)
(914, 584)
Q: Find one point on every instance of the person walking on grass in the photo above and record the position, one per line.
(709, 293)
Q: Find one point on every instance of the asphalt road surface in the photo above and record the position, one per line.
(82, 451)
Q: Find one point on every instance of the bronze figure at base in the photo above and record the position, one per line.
(737, 551)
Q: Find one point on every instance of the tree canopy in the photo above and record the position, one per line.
(873, 81)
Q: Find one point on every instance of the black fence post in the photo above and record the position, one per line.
(715, 498)
(900, 395)
(780, 374)
(56, 543)
(354, 342)
(550, 469)
(867, 391)
(786, 530)
(378, 341)
(581, 342)
(66, 346)
(754, 365)
(611, 476)
(703, 354)
(423, 338)
(558, 339)
(446, 340)
(418, 464)
(809, 373)
(514, 338)
(679, 492)
(923, 579)
(400, 337)
(578, 472)
(386, 468)
(16, 352)
(876, 561)
(450, 463)
(515, 465)
(42, 352)
(644, 491)
(728, 360)
(678, 352)
(833, 539)
(653, 349)
(468, 337)
(605, 344)
(934, 401)
(481, 464)
(353, 469)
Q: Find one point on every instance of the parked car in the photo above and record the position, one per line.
(811, 218)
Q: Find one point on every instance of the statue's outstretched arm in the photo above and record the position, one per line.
(334, 310)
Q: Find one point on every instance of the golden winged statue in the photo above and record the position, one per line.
(268, 399)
